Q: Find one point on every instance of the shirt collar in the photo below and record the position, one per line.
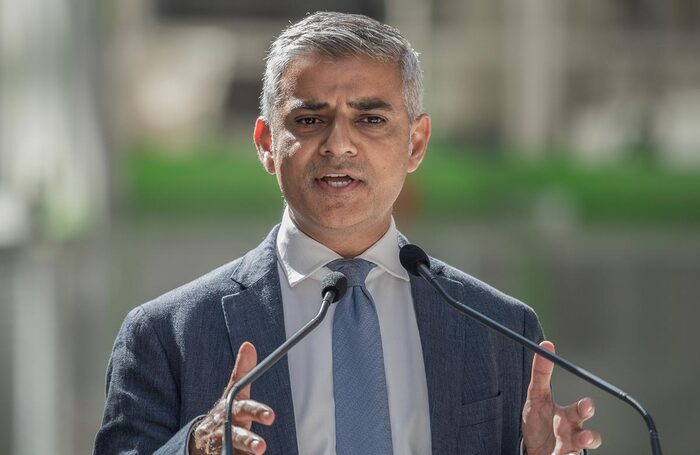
(301, 256)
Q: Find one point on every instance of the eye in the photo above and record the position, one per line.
(373, 120)
(308, 121)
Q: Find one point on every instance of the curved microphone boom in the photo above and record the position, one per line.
(333, 287)
(416, 262)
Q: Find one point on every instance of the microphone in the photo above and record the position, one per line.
(333, 287)
(416, 262)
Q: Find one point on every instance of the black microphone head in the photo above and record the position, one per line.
(411, 256)
(336, 282)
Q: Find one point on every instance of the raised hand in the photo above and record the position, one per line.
(207, 437)
(550, 429)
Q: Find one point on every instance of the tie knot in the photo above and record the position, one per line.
(355, 270)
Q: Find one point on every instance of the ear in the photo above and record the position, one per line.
(262, 136)
(420, 135)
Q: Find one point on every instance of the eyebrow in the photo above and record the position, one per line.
(364, 104)
(370, 104)
(309, 105)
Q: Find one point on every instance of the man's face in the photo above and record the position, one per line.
(341, 144)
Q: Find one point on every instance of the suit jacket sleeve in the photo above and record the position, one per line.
(142, 406)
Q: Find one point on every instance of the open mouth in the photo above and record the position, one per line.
(337, 180)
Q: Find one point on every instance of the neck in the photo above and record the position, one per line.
(348, 242)
(345, 245)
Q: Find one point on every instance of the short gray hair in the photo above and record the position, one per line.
(340, 35)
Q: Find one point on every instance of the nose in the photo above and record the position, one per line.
(339, 140)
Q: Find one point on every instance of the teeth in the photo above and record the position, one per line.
(337, 180)
(339, 184)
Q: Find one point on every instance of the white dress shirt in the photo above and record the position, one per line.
(301, 264)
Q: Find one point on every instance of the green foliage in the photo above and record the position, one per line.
(223, 181)
(633, 193)
(216, 183)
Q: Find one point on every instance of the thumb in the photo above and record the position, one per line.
(541, 373)
(246, 360)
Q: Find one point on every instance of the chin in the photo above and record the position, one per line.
(346, 222)
(339, 216)
(337, 223)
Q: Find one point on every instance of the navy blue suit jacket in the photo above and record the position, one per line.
(173, 357)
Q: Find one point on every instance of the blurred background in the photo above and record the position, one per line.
(564, 170)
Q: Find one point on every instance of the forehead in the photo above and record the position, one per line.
(329, 80)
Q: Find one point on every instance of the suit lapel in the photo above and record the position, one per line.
(442, 339)
(455, 375)
(255, 314)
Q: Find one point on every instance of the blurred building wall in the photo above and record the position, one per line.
(54, 187)
(594, 79)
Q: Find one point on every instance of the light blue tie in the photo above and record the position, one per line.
(362, 424)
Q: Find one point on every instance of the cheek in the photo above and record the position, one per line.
(393, 166)
(287, 175)
(390, 177)
(286, 155)
(293, 171)
(285, 145)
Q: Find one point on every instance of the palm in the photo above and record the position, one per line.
(538, 434)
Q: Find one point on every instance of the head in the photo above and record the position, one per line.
(341, 125)
(339, 35)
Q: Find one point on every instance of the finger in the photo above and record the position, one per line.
(588, 439)
(580, 411)
(246, 360)
(248, 441)
(541, 372)
(247, 411)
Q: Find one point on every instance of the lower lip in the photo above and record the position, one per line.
(333, 190)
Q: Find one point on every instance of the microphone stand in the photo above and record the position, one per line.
(425, 272)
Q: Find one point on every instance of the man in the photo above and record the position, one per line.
(341, 125)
